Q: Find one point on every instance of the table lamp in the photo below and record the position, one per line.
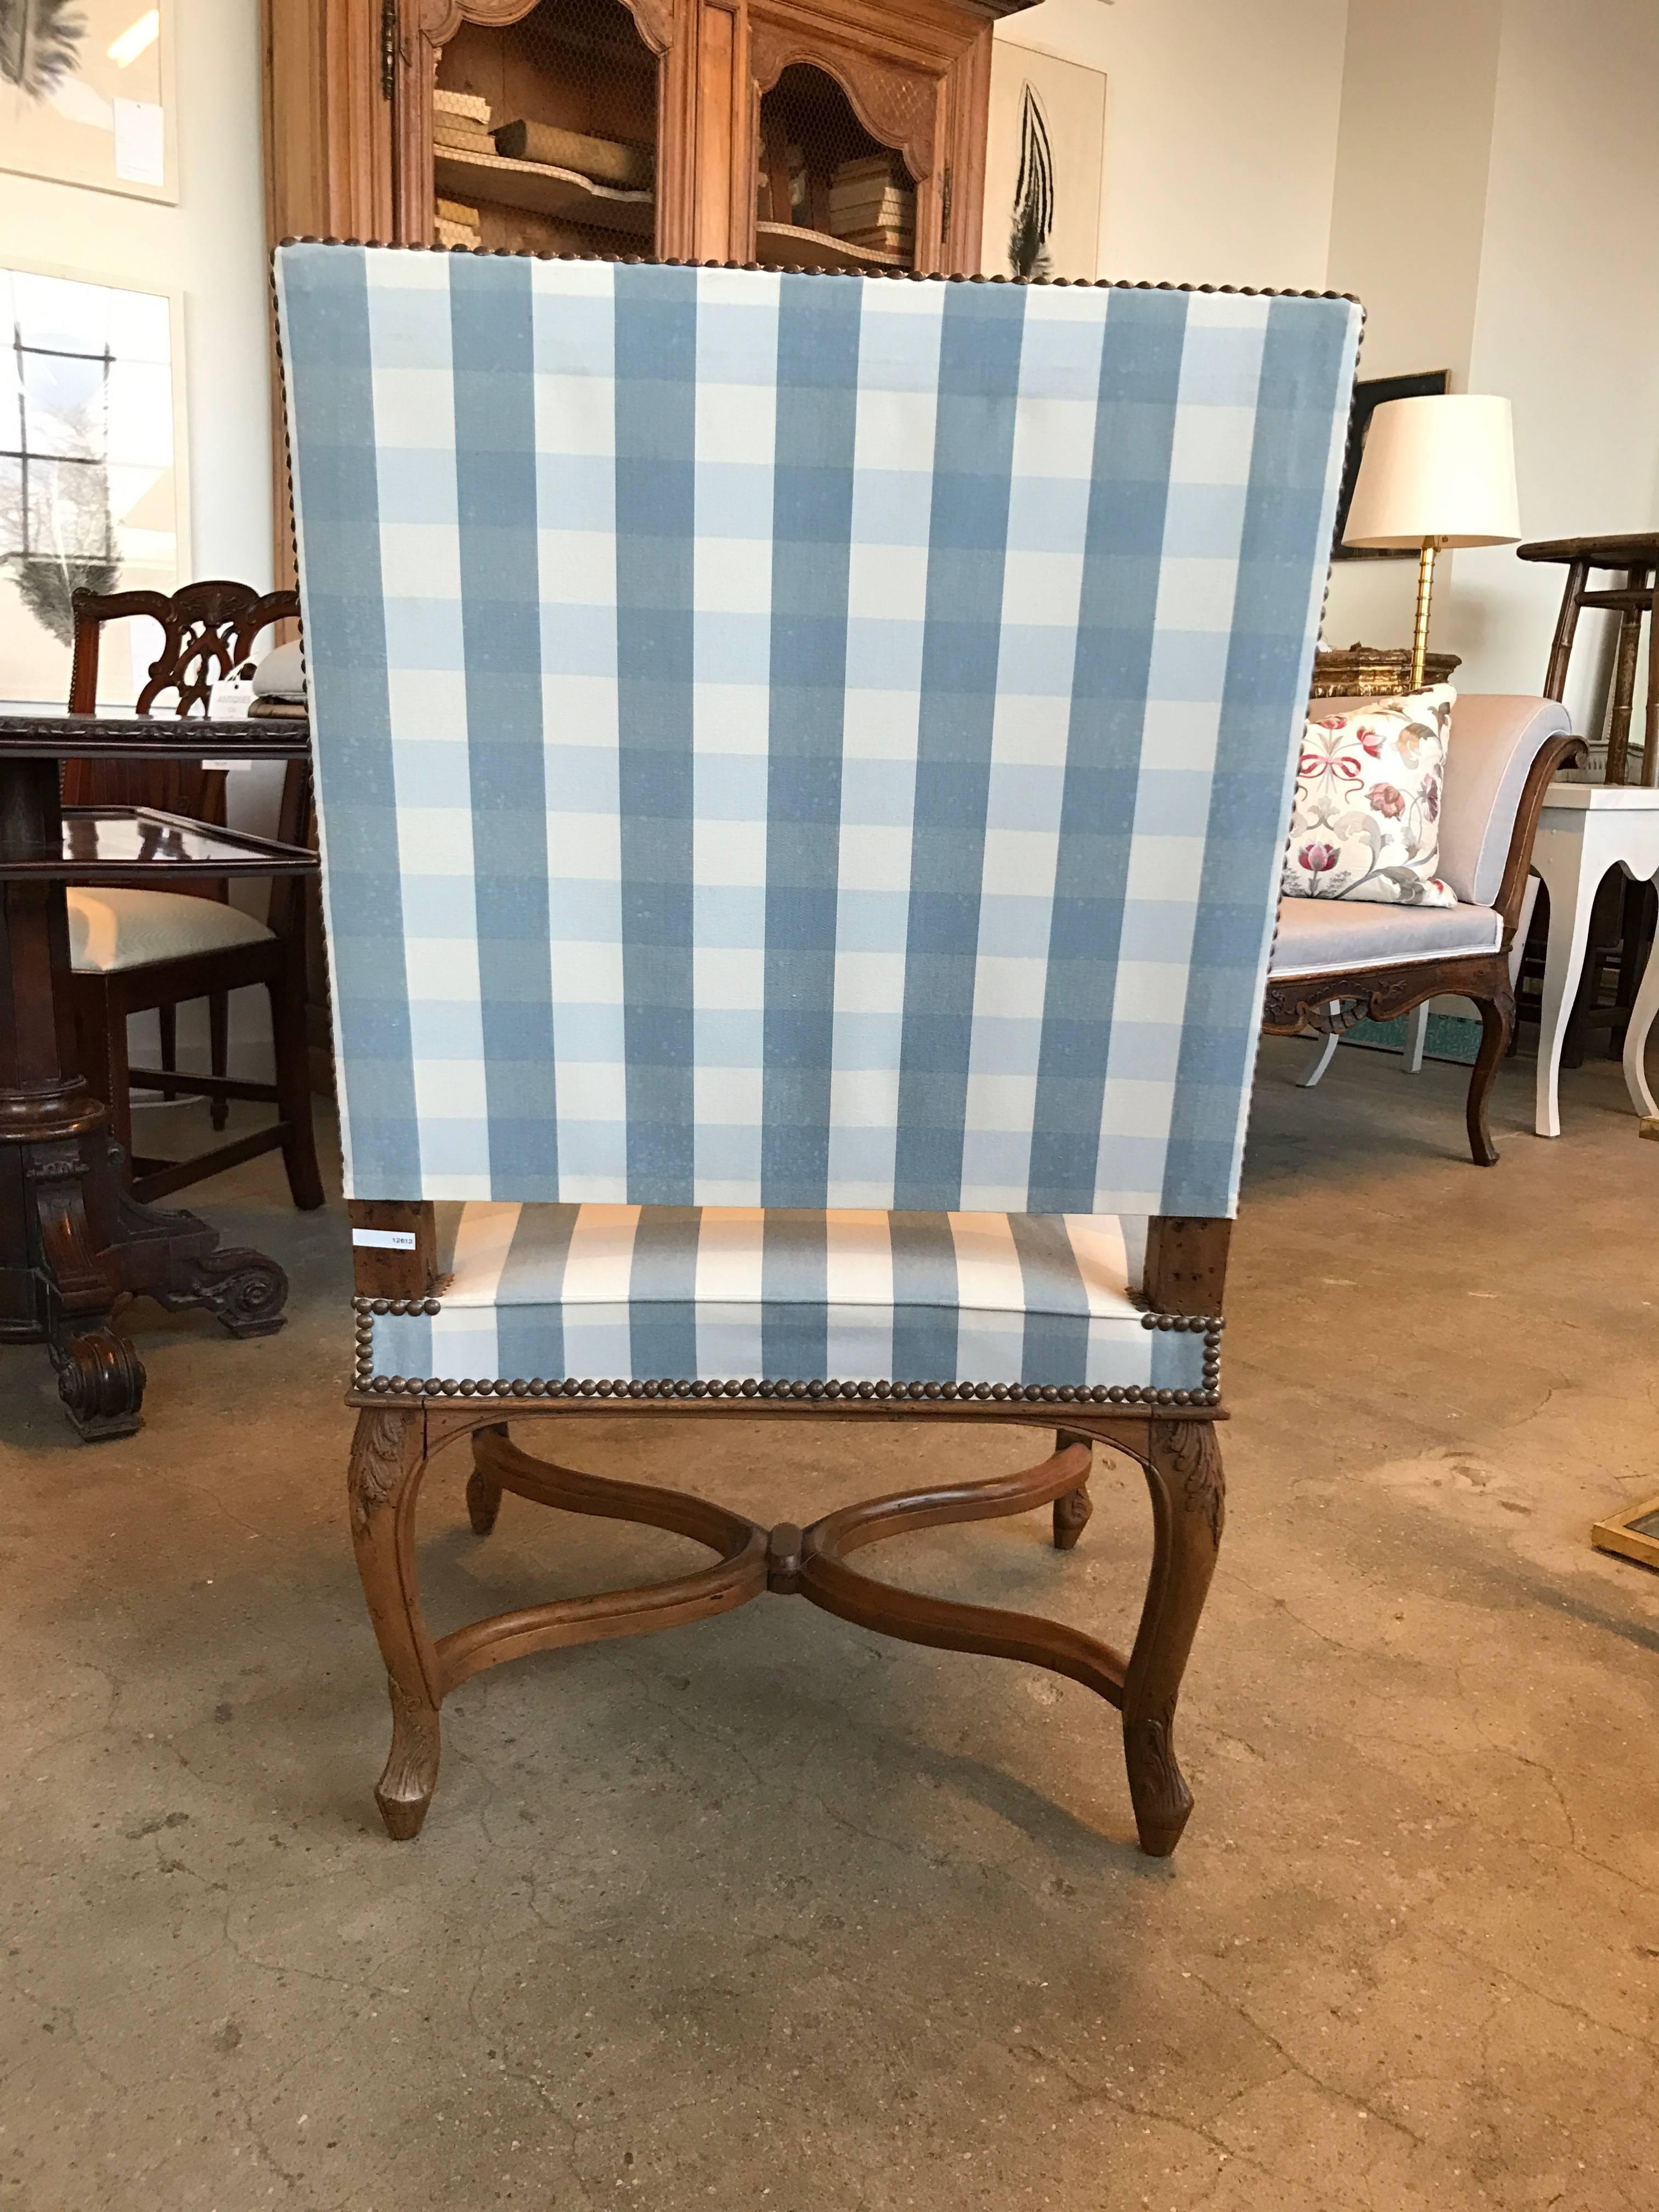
(1435, 472)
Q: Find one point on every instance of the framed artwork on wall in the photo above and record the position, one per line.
(91, 476)
(1369, 394)
(1044, 160)
(86, 93)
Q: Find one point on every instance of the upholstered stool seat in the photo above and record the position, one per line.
(734, 1296)
(1317, 935)
(112, 929)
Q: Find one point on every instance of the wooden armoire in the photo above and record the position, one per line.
(764, 131)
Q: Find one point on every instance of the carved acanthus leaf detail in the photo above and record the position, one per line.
(1189, 1449)
(378, 1459)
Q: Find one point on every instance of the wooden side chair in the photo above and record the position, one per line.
(135, 949)
(802, 765)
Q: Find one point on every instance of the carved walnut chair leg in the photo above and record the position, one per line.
(1496, 1020)
(292, 1054)
(166, 1021)
(483, 1492)
(388, 1458)
(1073, 1511)
(219, 1051)
(1183, 1473)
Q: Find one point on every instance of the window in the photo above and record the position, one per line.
(87, 490)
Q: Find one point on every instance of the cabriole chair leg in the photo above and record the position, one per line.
(388, 1458)
(1497, 1019)
(1183, 1474)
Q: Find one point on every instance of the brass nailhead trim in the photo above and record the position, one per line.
(1050, 1394)
(1032, 1394)
(894, 276)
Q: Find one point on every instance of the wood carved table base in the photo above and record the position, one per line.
(76, 1245)
(394, 1445)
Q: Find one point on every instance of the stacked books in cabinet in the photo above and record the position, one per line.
(457, 224)
(460, 122)
(532, 179)
(869, 207)
(460, 125)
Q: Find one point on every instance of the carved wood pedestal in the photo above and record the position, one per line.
(75, 1244)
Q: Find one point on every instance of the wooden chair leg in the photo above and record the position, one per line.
(167, 1020)
(1496, 1020)
(1073, 1511)
(388, 1458)
(292, 1058)
(1183, 1474)
(116, 1087)
(483, 1492)
(219, 1050)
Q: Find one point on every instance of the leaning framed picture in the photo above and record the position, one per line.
(1044, 159)
(86, 93)
(92, 473)
(1369, 394)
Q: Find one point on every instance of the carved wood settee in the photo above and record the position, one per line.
(1336, 962)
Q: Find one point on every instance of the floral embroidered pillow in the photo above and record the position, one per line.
(1366, 824)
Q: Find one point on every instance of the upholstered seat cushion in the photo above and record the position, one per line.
(111, 928)
(1315, 934)
(734, 1295)
(281, 674)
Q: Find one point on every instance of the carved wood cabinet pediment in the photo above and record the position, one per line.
(817, 133)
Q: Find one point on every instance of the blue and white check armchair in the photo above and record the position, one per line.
(802, 765)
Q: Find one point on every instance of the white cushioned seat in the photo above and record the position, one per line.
(728, 1295)
(1314, 934)
(112, 928)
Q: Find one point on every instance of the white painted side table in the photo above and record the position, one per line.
(1585, 829)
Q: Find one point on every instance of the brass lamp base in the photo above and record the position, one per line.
(1424, 594)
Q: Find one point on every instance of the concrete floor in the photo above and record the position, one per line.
(771, 1913)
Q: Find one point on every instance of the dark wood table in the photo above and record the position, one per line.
(75, 1244)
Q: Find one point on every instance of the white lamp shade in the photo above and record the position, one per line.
(1441, 468)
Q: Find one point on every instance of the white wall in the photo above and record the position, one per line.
(212, 247)
(1567, 318)
(1406, 234)
(1221, 123)
(1511, 238)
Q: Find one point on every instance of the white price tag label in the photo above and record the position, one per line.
(140, 143)
(231, 698)
(385, 1240)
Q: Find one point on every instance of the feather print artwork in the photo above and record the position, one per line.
(1034, 192)
(39, 45)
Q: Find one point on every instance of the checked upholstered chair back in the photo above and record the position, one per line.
(803, 742)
